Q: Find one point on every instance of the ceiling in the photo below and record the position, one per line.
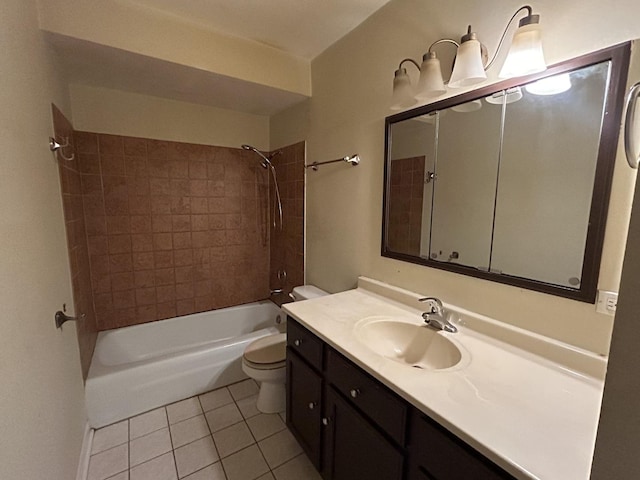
(304, 28)
(300, 28)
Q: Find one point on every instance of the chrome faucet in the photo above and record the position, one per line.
(436, 317)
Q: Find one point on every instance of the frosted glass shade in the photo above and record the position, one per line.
(402, 92)
(430, 83)
(525, 55)
(468, 68)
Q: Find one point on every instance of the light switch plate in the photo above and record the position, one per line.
(607, 302)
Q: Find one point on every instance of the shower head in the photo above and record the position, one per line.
(265, 161)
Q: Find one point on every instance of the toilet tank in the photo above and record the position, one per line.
(306, 292)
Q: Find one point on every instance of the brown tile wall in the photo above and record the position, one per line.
(76, 242)
(405, 201)
(287, 245)
(172, 228)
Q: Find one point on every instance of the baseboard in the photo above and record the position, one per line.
(85, 453)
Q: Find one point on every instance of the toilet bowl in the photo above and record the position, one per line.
(264, 360)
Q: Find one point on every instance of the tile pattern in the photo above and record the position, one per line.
(287, 245)
(185, 440)
(405, 213)
(74, 220)
(172, 228)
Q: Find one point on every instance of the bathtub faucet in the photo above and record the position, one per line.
(276, 291)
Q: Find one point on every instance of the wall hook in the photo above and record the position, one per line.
(54, 146)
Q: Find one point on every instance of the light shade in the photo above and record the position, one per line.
(468, 68)
(430, 83)
(402, 92)
(525, 55)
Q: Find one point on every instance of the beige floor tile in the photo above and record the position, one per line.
(223, 417)
(108, 463)
(232, 439)
(195, 456)
(120, 476)
(248, 407)
(150, 446)
(111, 436)
(247, 464)
(243, 389)
(189, 431)
(212, 472)
(179, 411)
(147, 423)
(266, 476)
(265, 425)
(215, 399)
(283, 416)
(279, 448)
(160, 468)
(299, 468)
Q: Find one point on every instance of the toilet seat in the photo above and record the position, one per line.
(267, 353)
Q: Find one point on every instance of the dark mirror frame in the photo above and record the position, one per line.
(614, 104)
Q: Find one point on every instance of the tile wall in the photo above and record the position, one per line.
(172, 228)
(287, 244)
(76, 241)
(405, 215)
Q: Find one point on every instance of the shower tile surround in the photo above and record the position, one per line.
(172, 228)
(287, 245)
(74, 220)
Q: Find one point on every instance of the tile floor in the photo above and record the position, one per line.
(219, 435)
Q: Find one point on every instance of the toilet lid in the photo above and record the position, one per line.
(267, 350)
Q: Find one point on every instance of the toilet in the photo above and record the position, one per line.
(264, 360)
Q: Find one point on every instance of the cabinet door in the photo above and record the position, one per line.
(304, 391)
(353, 449)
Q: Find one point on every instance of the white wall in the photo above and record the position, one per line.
(351, 92)
(42, 414)
(123, 113)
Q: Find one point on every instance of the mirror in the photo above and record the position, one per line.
(511, 182)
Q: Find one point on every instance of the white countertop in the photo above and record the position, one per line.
(535, 418)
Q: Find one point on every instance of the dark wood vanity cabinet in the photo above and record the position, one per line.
(353, 427)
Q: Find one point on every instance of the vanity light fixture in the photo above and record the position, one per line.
(525, 56)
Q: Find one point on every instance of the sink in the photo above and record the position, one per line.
(411, 344)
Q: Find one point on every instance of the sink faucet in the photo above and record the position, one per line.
(435, 317)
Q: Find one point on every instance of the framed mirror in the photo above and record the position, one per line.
(510, 182)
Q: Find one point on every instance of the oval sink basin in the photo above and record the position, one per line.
(413, 345)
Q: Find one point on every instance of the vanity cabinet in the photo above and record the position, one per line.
(352, 426)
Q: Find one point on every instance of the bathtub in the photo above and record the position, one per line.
(138, 368)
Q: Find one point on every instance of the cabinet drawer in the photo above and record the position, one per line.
(372, 398)
(304, 343)
(437, 453)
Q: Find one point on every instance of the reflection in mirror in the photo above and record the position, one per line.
(546, 179)
(411, 157)
(510, 183)
(468, 150)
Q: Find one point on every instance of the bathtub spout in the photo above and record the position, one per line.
(276, 291)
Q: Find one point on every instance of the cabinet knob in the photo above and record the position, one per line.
(326, 420)
(354, 392)
(297, 342)
(312, 405)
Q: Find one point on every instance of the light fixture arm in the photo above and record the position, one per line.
(409, 60)
(529, 18)
(443, 40)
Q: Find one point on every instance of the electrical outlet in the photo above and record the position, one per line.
(607, 302)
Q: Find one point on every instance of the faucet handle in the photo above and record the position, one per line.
(434, 303)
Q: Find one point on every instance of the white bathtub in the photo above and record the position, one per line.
(135, 369)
